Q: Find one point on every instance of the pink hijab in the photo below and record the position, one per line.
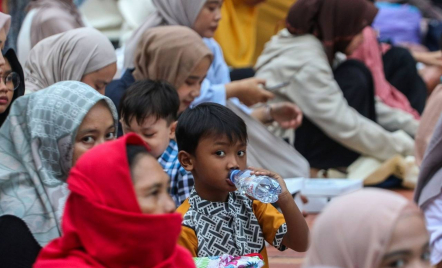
(370, 53)
(5, 22)
(355, 229)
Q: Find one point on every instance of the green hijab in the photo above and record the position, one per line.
(36, 150)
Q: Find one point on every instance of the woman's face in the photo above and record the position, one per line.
(151, 185)
(191, 87)
(97, 127)
(207, 21)
(409, 245)
(354, 44)
(101, 78)
(6, 94)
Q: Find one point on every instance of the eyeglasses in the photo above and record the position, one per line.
(12, 81)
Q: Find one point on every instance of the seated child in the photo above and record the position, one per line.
(212, 141)
(150, 109)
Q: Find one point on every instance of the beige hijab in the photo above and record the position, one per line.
(5, 22)
(67, 56)
(169, 12)
(432, 112)
(355, 230)
(429, 184)
(169, 53)
(53, 17)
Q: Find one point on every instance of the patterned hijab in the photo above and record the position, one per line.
(361, 239)
(334, 22)
(67, 56)
(36, 150)
(169, 12)
(169, 53)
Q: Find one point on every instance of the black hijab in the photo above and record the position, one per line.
(20, 91)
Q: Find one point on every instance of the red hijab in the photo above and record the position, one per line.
(334, 22)
(103, 225)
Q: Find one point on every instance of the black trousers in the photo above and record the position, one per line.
(18, 247)
(400, 70)
(356, 83)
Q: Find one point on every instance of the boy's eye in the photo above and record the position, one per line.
(241, 153)
(148, 135)
(220, 153)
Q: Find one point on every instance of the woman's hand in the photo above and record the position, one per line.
(286, 114)
(248, 91)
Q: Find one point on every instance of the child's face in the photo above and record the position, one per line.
(211, 164)
(188, 91)
(151, 185)
(207, 21)
(156, 133)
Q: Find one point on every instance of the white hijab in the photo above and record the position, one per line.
(67, 56)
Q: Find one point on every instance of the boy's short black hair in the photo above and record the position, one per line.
(208, 119)
(149, 98)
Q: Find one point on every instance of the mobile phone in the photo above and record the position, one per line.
(277, 86)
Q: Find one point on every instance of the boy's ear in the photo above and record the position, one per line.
(122, 125)
(172, 130)
(186, 160)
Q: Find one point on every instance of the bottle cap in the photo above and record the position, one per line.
(232, 174)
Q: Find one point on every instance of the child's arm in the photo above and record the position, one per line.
(297, 236)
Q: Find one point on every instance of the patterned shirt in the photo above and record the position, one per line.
(237, 227)
(181, 181)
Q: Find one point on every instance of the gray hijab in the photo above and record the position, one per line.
(169, 12)
(429, 184)
(36, 150)
(67, 56)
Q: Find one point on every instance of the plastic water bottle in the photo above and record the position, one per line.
(262, 188)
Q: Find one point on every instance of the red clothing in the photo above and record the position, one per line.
(103, 225)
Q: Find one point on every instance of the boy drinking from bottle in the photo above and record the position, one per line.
(217, 219)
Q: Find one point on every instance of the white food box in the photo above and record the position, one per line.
(320, 191)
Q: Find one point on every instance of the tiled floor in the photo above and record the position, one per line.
(292, 259)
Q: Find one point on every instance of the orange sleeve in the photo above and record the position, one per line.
(188, 237)
(270, 220)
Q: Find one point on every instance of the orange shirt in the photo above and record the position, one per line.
(237, 227)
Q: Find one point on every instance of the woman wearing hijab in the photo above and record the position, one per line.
(428, 193)
(131, 197)
(175, 54)
(11, 72)
(339, 105)
(383, 229)
(43, 136)
(12, 85)
(83, 54)
(46, 18)
(203, 16)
